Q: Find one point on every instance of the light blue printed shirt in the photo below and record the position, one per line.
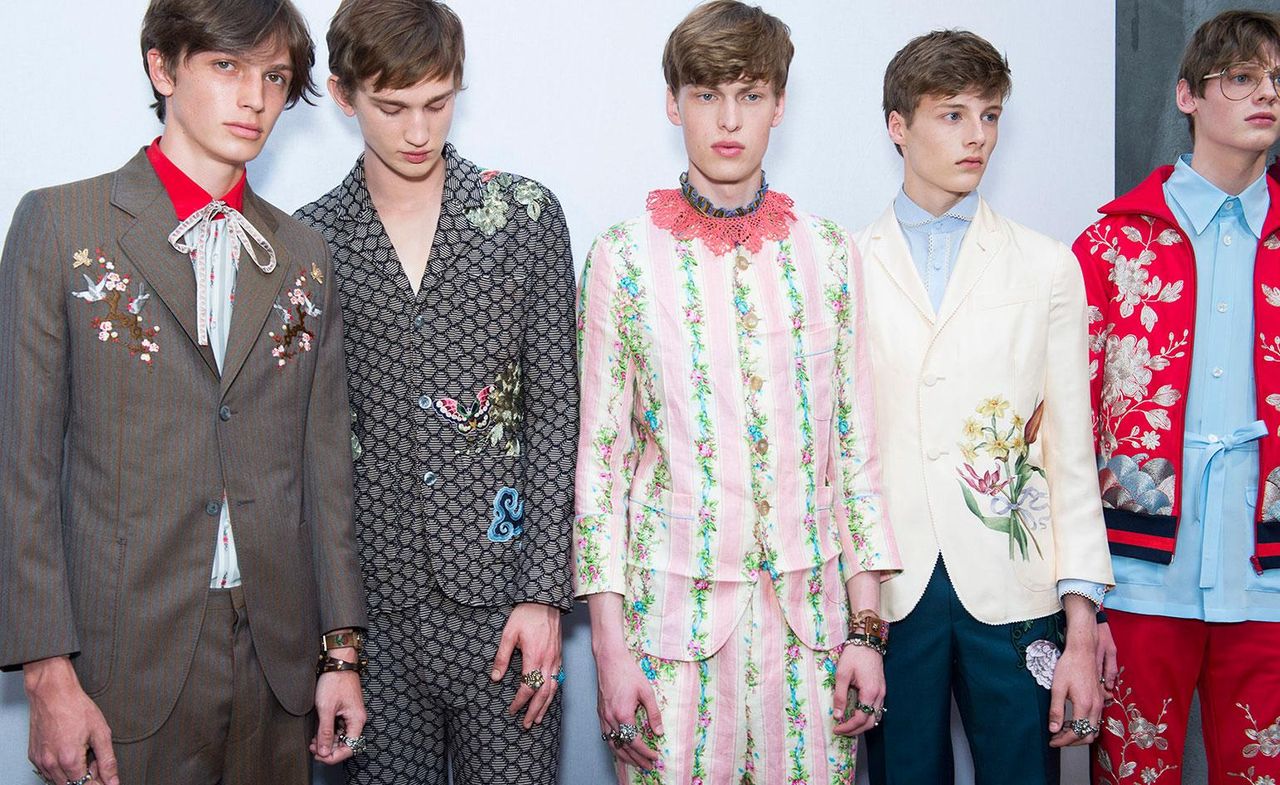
(1210, 577)
(934, 242)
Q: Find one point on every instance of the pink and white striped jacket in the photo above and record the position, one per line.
(727, 432)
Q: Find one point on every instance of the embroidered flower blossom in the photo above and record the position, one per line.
(1042, 659)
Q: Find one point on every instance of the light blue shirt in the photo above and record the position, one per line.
(1210, 577)
(934, 242)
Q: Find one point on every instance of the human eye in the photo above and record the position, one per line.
(277, 78)
(388, 110)
(752, 98)
(991, 117)
(224, 65)
(705, 98)
(951, 117)
(1243, 75)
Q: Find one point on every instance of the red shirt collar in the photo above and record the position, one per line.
(186, 195)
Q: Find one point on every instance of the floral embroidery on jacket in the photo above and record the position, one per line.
(508, 516)
(295, 336)
(1015, 506)
(496, 409)
(1138, 732)
(112, 288)
(491, 215)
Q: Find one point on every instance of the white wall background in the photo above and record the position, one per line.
(571, 94)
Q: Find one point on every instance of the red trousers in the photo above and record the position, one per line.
(1235, 668)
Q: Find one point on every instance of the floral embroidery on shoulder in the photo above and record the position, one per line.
(295, 336)
(1015, 506)
(122, 322)
(491, 215)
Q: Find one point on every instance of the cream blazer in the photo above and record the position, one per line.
(983, 411)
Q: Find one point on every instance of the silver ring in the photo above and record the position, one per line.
(87, 776)
(533, 679)
(356, 743)
(1082, 727)
(625, 734)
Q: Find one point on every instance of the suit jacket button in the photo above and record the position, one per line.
(429, 478)
(424, 401)
(419, 321)
(933, 454)
(212, 509)
(930, 380)
(224, 413)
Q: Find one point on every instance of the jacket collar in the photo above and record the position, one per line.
(1147, 198)
(463, 187)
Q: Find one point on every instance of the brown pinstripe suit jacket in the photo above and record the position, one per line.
(117, 437)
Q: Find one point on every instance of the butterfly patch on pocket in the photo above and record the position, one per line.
(508, 516)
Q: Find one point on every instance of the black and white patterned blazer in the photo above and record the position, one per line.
(464, 397)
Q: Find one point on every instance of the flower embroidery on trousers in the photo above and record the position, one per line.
(1042, 660)
(1137, 732)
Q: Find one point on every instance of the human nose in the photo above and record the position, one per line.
(253, 93)
(418, 132)
(730, 116)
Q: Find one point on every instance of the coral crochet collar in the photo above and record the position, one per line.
(690, 216)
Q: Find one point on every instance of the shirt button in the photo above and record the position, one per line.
(419, 321)
(762, 446)
(742, 263)
(224, 413)
(212, 509)
(1222, 307)
(1226, 240)
(763, 507)
(424, 402)
(1217, 373)
(429, 478)
(756, 383)
(751, 320)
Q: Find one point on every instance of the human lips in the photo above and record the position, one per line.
(971, 162)
(1264, 119)
(728, 149)
(416, 156)
(245, 130)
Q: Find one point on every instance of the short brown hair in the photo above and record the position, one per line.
(397, 43)
(178, 29)
(943, 63)
(727, 41)
(1230, 37)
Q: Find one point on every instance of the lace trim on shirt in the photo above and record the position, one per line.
(768, 218)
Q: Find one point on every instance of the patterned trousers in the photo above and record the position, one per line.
(431, 703)
(757, 712)
(1162, 661)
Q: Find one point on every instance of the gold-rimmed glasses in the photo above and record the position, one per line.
(1240, 80)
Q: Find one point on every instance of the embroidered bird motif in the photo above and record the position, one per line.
(467, 418)
(94, 292)
(136, 303)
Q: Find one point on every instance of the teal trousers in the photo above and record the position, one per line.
(940, 650)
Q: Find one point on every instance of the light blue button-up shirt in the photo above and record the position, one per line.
(934, 242)
(1210, 577)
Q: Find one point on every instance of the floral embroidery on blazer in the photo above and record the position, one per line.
(295, 335)
(123, 319)
(1139, 271)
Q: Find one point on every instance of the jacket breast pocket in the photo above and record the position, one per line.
(655, 525)
(1002, 298)
(95, 569)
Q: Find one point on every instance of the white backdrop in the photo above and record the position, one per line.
(571, 94)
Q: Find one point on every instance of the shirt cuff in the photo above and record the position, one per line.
(1093, 592)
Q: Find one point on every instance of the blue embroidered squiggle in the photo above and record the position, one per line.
(508, 513)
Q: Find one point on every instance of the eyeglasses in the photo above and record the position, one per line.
(1241, 80)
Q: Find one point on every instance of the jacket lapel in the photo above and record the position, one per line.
(167, 272)
(889, 249)
(256, 291)
(982, 243)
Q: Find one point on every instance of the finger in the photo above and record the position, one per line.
(652, 716)
(105, 768)
(502, 659)
(540, 703)
(1056, 707)
(523, 695)
(644, 753)
(552, 685)
(324, 731)
(1110, 670)
(840, 702)
(72, 764)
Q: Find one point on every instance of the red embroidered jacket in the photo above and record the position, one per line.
(1139, 272)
